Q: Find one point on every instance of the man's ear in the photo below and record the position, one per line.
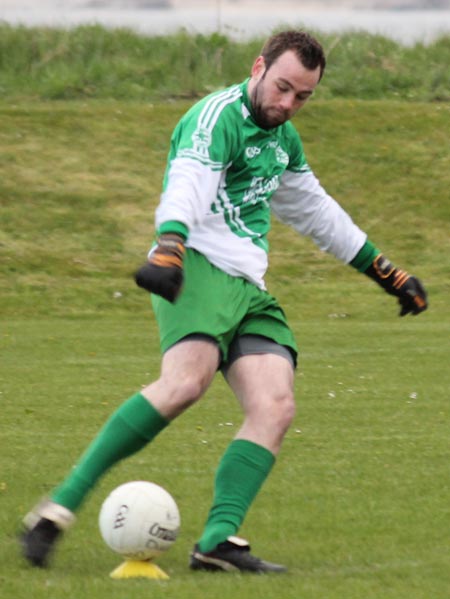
(258, 67)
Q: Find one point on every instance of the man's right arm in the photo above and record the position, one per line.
(163, 272)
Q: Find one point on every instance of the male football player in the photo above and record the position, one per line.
(235, 157)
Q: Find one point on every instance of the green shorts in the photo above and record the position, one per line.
(220, 306)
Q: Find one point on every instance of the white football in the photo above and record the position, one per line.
(139, 520)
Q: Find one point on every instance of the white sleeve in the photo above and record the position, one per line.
(191, 188)
(301, 202)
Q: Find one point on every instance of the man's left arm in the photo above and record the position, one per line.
(409, 290)
(303, 203)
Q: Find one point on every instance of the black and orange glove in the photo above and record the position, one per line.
(411, 294)
(163, 273)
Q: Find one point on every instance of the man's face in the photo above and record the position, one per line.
(278, 93)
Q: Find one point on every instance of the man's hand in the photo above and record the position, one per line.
(163, 273)
(411, 294)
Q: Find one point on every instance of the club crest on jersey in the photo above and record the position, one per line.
(281, 156)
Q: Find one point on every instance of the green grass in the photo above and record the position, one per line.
(357, 505)
(94, 62)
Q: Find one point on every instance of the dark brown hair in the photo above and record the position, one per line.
(308, 50)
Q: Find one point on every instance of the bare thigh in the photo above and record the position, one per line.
(263, 384)
(187, 370)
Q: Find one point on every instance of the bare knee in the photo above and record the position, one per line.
(267, 420)
(282, 412)
(187, 388)
(171, 395)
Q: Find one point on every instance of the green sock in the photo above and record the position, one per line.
(241, 472)
(127, 431)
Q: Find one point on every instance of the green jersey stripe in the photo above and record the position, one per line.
(213, 108)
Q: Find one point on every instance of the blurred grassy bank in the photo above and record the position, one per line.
(95, 62)
(79, 182)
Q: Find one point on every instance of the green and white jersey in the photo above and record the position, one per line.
(224, 177)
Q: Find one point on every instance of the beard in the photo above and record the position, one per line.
(266, 118)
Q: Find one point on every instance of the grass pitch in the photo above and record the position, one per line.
(357, 505)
